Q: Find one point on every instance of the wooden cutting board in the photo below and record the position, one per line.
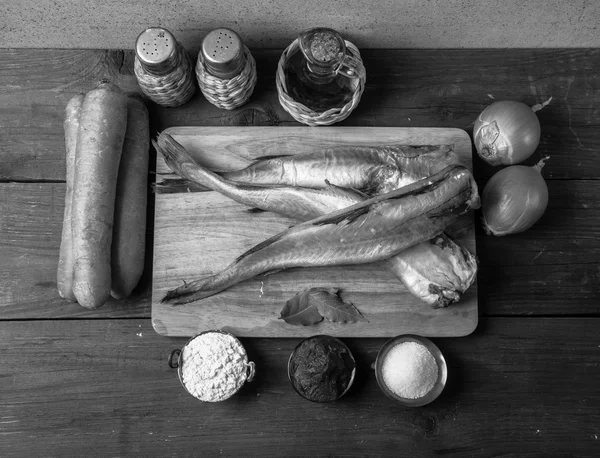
(197, 234)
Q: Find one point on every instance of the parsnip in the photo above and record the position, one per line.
(64, 273)
(129, 231)
(102, 125)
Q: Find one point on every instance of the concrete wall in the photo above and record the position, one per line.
(114, 24)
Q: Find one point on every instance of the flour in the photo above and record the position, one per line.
(214, 366)
(409, 370)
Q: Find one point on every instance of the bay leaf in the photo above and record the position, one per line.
(333, 308)
(299, 312)
(312, 305)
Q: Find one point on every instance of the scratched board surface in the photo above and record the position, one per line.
(197, 234)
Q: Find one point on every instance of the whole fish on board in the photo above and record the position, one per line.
(369, 169)
(437, 271)
(369, 231)
(294, 202)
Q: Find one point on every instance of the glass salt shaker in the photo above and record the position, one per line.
(321, 74)
(163, 68)
(225, 69)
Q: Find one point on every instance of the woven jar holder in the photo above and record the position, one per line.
(301, 112)
(227, 93)
(172, 89)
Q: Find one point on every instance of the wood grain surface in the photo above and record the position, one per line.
(556, 260)
(406, 88)
(516, 387)
(75, 382)
(198, 234)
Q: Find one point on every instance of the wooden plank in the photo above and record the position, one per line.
(516, 387)
(31, 217)
(437, 88)
(198, 234)
(32, 104)
(567, 233)
(557, 258)
(405, 88)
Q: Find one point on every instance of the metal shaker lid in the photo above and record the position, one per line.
(156, 48)
(223, 53)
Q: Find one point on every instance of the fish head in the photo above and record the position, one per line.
(388, 178)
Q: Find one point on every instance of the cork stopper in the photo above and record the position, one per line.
(223, 53)
(156, 49)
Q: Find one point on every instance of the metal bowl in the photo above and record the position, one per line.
(439, 359)
(176, 362)
(342, 344)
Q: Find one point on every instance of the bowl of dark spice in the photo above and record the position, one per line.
(321, 368)
(212, 366)
(411, 370)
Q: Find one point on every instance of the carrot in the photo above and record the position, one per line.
(64, 272)
(102, 125)
(129, 231)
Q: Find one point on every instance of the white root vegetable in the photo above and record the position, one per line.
(129, 231)
(102, 125)
(66, 261)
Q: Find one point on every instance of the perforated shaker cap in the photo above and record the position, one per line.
(223, 53)
(156, 48)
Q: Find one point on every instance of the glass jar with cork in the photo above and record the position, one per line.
(320, 77)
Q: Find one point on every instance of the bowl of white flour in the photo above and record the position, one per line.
(212, 366)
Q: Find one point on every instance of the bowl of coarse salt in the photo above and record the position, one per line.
(212, 366)
(411, 370)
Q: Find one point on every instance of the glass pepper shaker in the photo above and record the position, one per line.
(322, 72)
(225, 69)
(163, 68)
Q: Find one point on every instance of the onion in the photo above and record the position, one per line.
(506, 132)
(514, 199)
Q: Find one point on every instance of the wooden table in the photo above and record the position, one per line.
(75, 382)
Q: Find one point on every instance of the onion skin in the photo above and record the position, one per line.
(506, 132)
(514, 199)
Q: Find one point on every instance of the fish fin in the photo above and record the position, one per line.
(346, 217)
(260, 246)
(425, 149)
(362, 194)
(269, 272)
(272, 156)
(344, 189)
(370, 190)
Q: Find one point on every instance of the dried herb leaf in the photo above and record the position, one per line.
(331, 306)
(312, 305)
(299, 312)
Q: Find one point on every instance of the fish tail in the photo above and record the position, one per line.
(190, 292)
(173, 153)
(199, 289)
(174, 185)
(179, 161)
(240, 270)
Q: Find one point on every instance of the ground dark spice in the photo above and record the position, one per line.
(321, 368)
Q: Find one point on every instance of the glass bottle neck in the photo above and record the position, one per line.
(319, 75)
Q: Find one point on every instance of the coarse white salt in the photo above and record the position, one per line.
(214, 366)
(409, 370)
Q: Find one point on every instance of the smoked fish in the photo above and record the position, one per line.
(437, 271)
(369, 231)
